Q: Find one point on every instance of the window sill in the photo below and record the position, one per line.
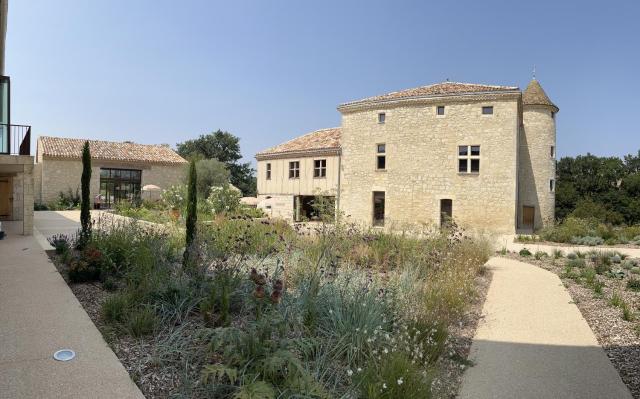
(381, 170)
(468, 173)
(319, 177)
(294, 178)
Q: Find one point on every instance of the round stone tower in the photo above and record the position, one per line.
(537, 159)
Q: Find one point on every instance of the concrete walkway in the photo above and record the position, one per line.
(39, 315)
(534, 343)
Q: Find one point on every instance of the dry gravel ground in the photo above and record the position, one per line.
(620, 338)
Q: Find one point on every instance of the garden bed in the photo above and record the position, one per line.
(362, 314)
(607, 292)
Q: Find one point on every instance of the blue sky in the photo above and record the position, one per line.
(165, 71)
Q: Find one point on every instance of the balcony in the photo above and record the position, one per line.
(15, 139)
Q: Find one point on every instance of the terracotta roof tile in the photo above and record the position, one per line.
(319, 140)
(59, 147)
(438, 89)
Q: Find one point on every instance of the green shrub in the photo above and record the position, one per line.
(616, 258)
(633, 284)
(524, 252)
(597, 287)
(616, 299)
(60, 242)
(635, 270)
(564, 232)
(223, 199)
(115, 308)
(588, 240)
(627, 264)
(627, 312)
(141, 321)
(572, 255)
(540, 254)
(557, 254)
(579, 263)
(394, 377)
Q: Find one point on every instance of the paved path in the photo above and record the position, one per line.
(39, 315)
(534, 343)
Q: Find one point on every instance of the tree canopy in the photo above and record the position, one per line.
(224, 147)
(211, 173)
(607, 188)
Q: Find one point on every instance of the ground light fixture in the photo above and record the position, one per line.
(64, 355)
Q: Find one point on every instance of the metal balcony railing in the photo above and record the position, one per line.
(15, 139)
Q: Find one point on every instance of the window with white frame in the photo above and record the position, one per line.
(469, 159)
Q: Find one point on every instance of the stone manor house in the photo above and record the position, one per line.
(482, 155)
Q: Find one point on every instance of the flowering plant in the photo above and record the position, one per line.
(175, 196)
(223, 199)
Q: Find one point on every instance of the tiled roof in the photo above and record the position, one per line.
(535, 95)
(59, 147)
(319, 140)
(435, 90)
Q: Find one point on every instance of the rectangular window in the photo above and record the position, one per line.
(381, 117)
(117, 185)
(552, 185)
(469, 159)
(294, 170)
(440, 110)
(268, 171)
(320, 168)
(553, 151)
(487, 110)
(378, 208)
(381, 157)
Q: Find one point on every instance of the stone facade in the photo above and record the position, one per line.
(422, 162)
(61, 175)
(537, 164)
(515, 133)
(55, 174)
(18, 171)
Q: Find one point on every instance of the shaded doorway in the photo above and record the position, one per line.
(528, 216)
(446, 212)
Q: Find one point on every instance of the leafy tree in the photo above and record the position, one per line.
(192, 210)
(85, 205)
(225, 147)
(606, 188)
(211, 173)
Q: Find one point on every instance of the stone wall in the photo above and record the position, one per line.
(59, 175)
(537, 165)
(422, 162)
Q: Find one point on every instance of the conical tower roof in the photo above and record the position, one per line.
(535, 95)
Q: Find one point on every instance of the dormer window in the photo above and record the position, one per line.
(381, 117)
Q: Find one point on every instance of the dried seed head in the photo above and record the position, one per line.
(278, 285)
(259, 292)
(276, 296)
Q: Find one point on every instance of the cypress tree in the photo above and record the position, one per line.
(85, 205)
(192, 207)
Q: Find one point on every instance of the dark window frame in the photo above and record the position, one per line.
(378, 202)
(319, 168)
(382, 117)
(487, 110)
(381, 156)
(268, 169)
(469, 157)
(294, 169)
(440, 110)
(117, 184)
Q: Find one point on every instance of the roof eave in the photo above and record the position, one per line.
(298, 153)
(364, 104)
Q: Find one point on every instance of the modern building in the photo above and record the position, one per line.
(16, 162)
(480, 154)
(119, 170)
